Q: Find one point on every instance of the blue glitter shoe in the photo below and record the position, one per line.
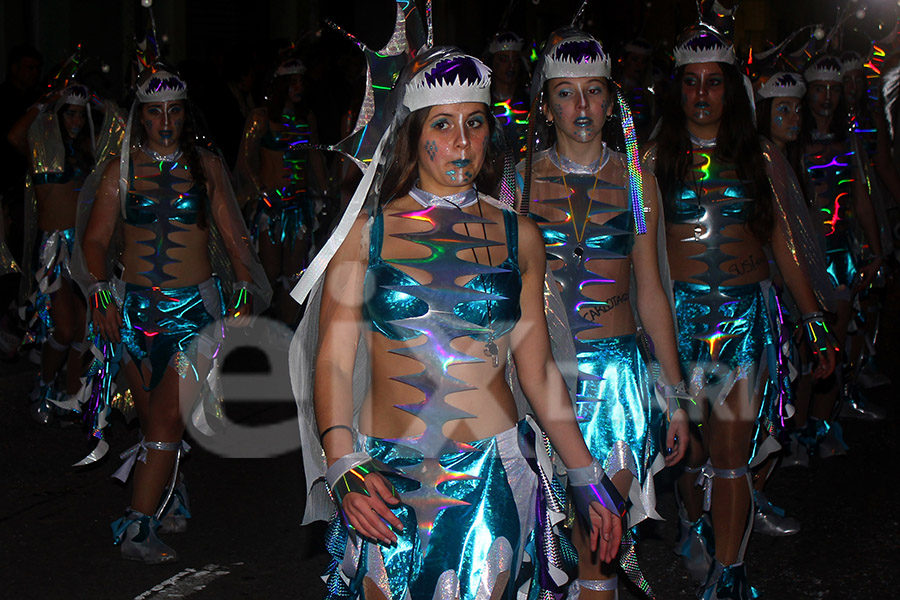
(728, 583)
(136, 532)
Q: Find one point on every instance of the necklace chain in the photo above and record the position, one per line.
(154, 155)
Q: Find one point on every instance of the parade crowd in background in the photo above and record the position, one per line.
(521, 282)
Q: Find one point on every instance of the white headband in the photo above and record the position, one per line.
(560, 63)
(162, 86)
(783, 85)
(432, 87)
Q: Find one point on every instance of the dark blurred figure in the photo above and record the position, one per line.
(17, 93)
(232, 101)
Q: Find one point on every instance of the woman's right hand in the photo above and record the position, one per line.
(108, 323)
(371, 515)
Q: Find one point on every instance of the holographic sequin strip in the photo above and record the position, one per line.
(635, 179)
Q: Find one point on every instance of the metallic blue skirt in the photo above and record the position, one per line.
(614, 409)
(52, 260)
(286, 214)
(470, 522)
(839, 259)
(744, 340)
(161, 326)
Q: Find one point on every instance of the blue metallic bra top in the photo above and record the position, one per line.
(71, 172)
(160, 210)
(717, 184)
(293, 142)
(386, 303)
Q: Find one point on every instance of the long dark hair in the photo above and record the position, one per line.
(764, 125)
(189, 149)
(737, 143)
(79, 152)
(403, 166)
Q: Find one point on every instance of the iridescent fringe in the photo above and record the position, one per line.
(635, 179)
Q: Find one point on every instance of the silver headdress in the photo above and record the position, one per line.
(639, 46)
(161, 85)
(824, 68)
(699, 44)
(505, 41)
(851, 61)
(454, 79)
(77, 95)
(576, 56)
(783, 85)
(291, 66)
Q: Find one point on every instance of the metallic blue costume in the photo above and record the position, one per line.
(829, 176)
(614, 390)
(468, 508)
(288, 212)
(727, 333)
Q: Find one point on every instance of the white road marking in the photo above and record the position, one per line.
(185, 583)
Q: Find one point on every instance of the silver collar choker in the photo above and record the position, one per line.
(702, 143)
(156, 156)
(460, 200)
(570, 166)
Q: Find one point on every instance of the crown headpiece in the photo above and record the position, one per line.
(851, 61)
(576, 56)
(454, 79)
(160, 85)
(699, 44)
(824, 68)
(639, 46)
(76, 94)
(292, 66)
(783, 85)
(506, 41)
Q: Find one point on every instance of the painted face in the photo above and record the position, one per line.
(452, 147)
(295, 88)
(703, 93)
(579, 106)
(634, 66)
(74, 119)
(785, 120)
(505, 66)
(855, 85)
(163, 122)
(823, 97)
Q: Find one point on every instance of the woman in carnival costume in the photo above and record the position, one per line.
(725, 206)
(779, 114)
(64, 144)
(595, 210)
(835, 186)
(509, 76)
(155, 225)
(280, 177)
(432, 298)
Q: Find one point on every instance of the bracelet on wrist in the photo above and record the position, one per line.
(100, 296)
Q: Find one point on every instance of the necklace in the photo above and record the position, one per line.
(490, 347)
(156, 156)
(711, 143)
(578, 252)
(567, 165)
(460, 201)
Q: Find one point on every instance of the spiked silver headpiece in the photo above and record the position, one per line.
(576, 56)
(783, 85)
(851, 61)
(505, 42)
(161, 85)
(77, 95)
(824, 68)
(699, 44)
(455, 79)
(292, 66)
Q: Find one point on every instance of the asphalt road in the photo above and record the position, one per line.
(245, 540)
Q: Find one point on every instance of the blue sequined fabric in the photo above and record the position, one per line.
(160, 324)
(614, 404)
(481, 533)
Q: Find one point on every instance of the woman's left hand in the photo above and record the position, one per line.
(676, 438)
(606, 532)
(827, 362)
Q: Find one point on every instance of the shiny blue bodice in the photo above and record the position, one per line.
(160, 210)
(293, 142)
(711, 185)
(385, 301)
